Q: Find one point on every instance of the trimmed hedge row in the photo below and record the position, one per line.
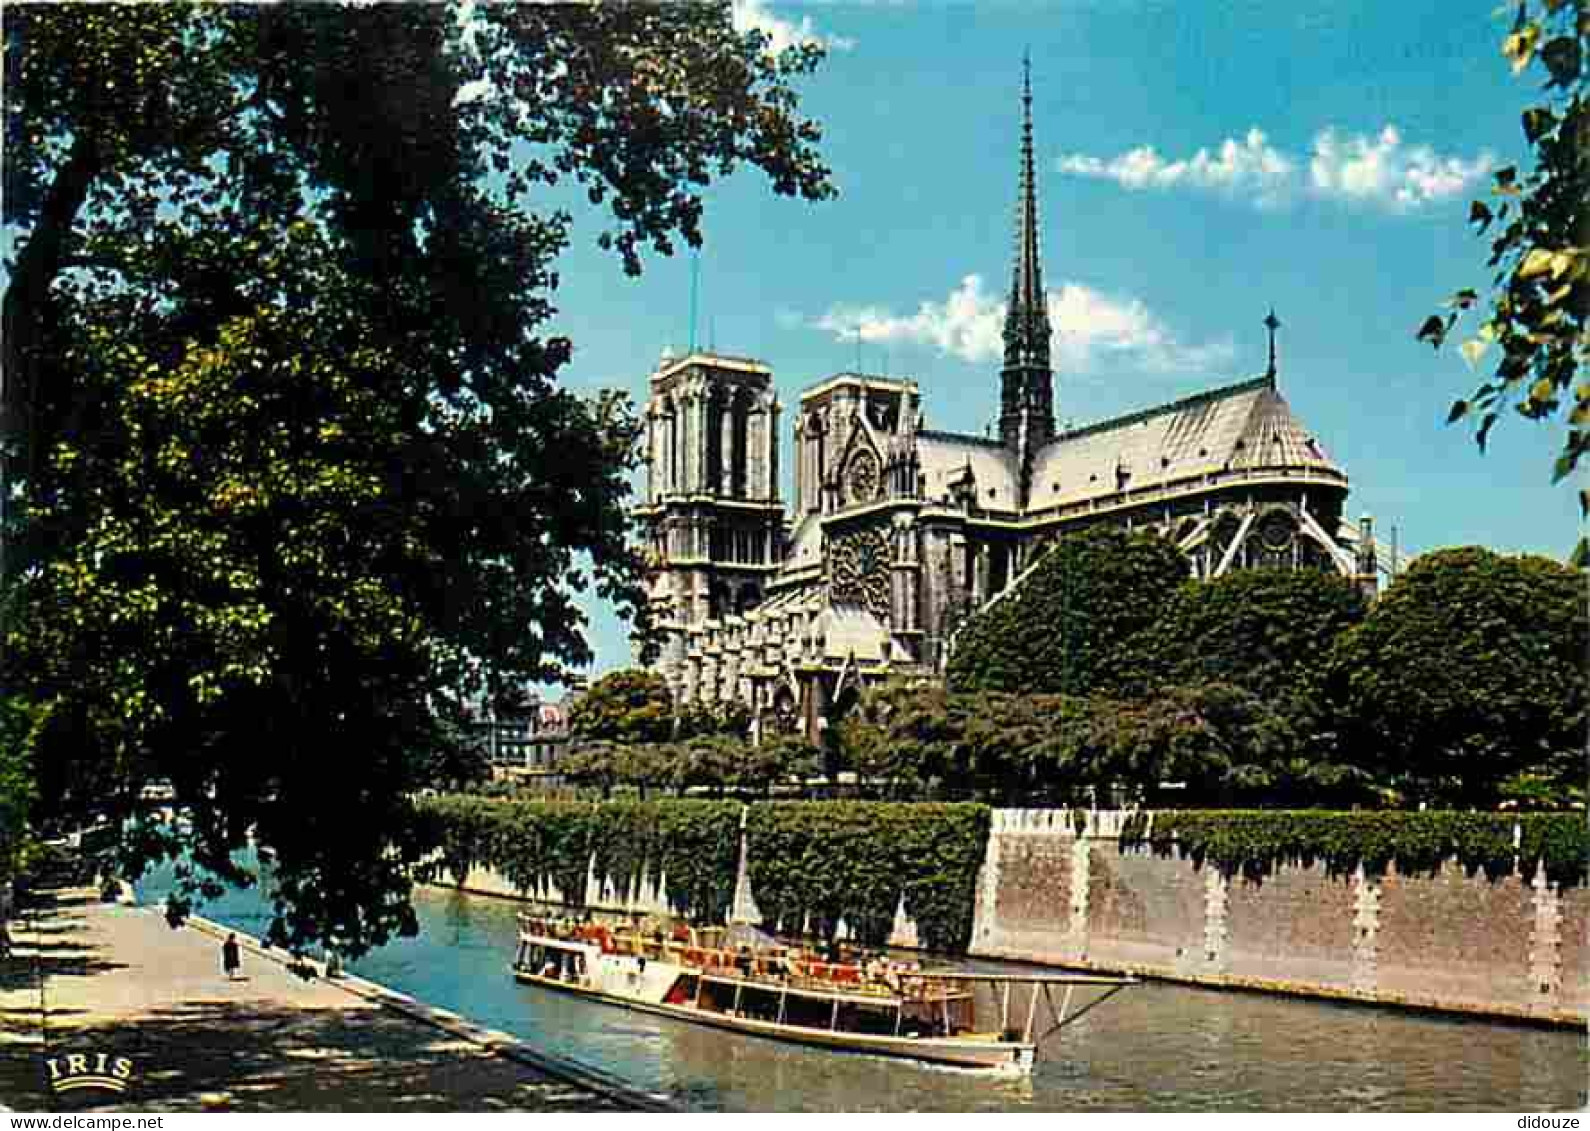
(695, 844)
(812, 864)
(1256, 842)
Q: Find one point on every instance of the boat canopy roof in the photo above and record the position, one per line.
(743, 934)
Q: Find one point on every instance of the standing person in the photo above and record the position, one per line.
(5, 940)
(231, 959)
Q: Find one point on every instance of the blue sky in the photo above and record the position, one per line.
(1197, 164)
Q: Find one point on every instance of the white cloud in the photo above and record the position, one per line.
(1379, 171)
(1384, 171)
(782, 33)
(1090, 328)
(1251, 165)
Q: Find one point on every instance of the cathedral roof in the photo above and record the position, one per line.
(1243, 427)
(944, 458)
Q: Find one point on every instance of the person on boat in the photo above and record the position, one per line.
(742, 961)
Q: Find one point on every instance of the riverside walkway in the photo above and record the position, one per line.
(88, 977)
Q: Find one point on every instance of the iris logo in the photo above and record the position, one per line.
(89, 1070)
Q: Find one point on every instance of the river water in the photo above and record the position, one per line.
(1153, 1047)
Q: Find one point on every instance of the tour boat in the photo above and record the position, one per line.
(740, 979)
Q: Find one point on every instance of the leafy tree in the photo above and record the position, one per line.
(1539, 308)
(1219, 744)
(1062, 629)
(1263, 629)
(697, 719)
(280, 407)
(18, 790)
(623, 706)
(781, 757)
(900, 736)
(1019, 746)
(1469, 670)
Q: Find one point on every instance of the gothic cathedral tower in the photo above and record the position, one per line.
(712, 514)
(1026, 393)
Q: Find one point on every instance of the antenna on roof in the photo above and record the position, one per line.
(695, 290)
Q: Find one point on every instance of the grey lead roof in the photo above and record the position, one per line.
(1240, 427)
(944, 458)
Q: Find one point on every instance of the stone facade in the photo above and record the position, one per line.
(897, 531)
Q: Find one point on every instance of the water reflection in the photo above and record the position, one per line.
(1153, 1047)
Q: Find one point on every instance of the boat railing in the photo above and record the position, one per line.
(798, 970)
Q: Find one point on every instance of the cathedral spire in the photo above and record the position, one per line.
(1026, 417)
(1027, 320)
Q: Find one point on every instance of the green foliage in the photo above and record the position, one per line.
(1062, 629)
(1263, 630)
(813, 863)
(1541, 287)
(698, 720)
(716, 761)
(1468, 671)
(286, 467)
(1218, 742)
(1255, 843)
(624, 706)
(19, 720)
(699, 855)
(694, 845)
(1558, 841)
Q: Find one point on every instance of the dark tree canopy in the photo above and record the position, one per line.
(1061, 630)
(1213, 741)
(1265, 630)
(1470, 669)
(1536, 336)
(624, 706)
(289, 478)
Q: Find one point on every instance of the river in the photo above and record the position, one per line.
(1154, 1047)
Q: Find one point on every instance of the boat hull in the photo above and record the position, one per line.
(1001, 1057)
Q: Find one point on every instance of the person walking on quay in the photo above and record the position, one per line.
(231, 959)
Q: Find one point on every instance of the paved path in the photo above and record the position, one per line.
(89, 977)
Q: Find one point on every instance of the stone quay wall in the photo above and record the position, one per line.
(1448, 941)
(1051, 894)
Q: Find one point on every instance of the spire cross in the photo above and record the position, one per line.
(1272, 324)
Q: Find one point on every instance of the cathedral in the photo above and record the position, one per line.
(897, 531)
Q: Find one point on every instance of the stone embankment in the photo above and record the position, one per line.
(88, 978)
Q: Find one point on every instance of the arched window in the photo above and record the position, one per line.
(676, 450)
(741, 437)
(716, 406)
(666, 440)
